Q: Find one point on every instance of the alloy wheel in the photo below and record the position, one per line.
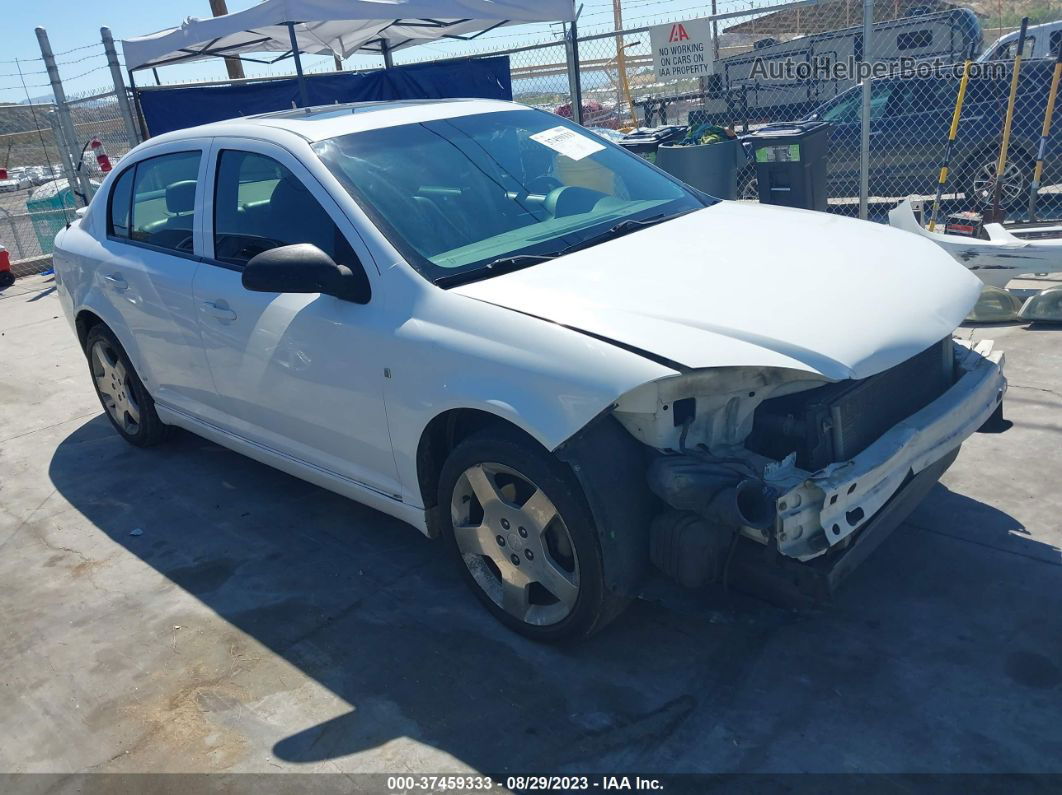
(515, 544)
(112, 382)
(984, 183)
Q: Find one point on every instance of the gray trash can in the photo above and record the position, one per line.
(711, 168)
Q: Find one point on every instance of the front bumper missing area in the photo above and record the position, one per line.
(828, 511)
(763, 571)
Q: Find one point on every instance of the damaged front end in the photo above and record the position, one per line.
(780, 479)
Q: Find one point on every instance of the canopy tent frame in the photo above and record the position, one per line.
(337, 27)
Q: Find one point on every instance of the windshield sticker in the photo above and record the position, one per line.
(567, 142)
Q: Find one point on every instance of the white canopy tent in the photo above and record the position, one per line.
(339, 27)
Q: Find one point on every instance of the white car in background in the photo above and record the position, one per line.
(508, 332)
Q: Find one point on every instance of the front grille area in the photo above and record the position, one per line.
(837, 421)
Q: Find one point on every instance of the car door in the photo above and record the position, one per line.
(150, 255)
(909, 138)
(302, 374)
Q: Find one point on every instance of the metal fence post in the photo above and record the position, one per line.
(864, 118)
(62, 114)
(575, 89)
(69, 168)
(119, 86)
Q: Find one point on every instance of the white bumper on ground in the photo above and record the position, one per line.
(844, 496)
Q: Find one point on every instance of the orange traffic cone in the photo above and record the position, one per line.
(7, 278)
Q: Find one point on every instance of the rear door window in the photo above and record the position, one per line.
(163, 201)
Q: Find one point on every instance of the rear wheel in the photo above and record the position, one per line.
(981, 181)
(122, 394)
(524, 537)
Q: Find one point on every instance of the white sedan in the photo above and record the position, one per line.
(510, 333)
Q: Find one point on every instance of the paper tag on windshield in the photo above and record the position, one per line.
(567, 142)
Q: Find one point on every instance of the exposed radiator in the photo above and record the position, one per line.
(837, 421)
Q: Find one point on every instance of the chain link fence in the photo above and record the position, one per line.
(773, 62)
(795, 61)
(49, 164)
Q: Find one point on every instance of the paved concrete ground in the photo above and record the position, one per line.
(257, 623)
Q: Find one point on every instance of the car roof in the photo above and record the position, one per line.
(328, 121)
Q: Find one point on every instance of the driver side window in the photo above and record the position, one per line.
(259, 204)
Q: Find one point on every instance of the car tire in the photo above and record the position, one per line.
(522, 534)
(979, 173)
(125, 401)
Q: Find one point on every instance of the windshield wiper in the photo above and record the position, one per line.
(519, 261)
(493, 268)
(624, 227)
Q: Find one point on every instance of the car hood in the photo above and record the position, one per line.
(752, 285)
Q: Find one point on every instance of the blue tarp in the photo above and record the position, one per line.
(177, 108)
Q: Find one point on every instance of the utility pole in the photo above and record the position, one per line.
(233, 65)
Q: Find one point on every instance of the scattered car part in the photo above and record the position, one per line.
(1045, 306)
(995, 261)
(996, 305)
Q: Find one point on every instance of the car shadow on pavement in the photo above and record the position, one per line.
(955, 612)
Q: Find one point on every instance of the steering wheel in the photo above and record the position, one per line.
(543, 184)
(571, 200)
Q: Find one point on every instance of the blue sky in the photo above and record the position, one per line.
(75, 24)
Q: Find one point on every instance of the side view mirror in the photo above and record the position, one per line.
(304, 268)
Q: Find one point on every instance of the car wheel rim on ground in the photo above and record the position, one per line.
(515, 544)
(984, 183)
(112, 383)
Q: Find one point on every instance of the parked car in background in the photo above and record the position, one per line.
(15, 183)
(521, 338)
(909, 122)
(1041, 41)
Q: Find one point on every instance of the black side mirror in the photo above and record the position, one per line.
(304, 268)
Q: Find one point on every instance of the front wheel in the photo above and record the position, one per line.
(524, 538)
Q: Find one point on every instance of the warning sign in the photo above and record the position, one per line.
(682, 49)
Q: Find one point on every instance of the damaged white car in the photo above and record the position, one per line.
(507, 332)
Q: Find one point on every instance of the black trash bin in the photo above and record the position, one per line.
(790, 163)
(646, 140)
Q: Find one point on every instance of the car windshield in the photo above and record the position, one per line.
(458, 195)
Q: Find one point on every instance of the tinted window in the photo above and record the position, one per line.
(164, 201)
(121, 194)
(849, 107)
(914, 40)
(259, 204)
(458, 193)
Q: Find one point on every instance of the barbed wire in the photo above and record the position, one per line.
(83, 58)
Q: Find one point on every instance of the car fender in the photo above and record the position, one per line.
(80, 290)
(460, 353)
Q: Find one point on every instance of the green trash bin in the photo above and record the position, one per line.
(51, 207)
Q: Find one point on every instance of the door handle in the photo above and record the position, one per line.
(220, 310)
(116, 282)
